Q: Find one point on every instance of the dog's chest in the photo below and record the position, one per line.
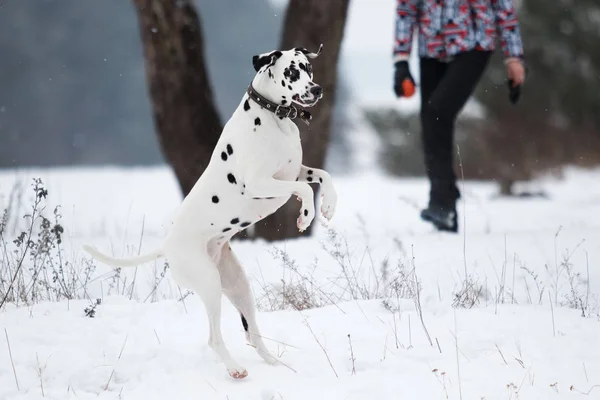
(287, 157)
(289, 163)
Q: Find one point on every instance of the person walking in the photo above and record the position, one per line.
(456, 39)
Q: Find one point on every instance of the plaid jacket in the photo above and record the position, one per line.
(449, 27)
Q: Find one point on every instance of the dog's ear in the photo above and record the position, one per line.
(260, 60)
(308, 53)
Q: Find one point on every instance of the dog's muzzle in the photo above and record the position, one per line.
(317, 91)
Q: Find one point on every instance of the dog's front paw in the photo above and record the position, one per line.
(307, 214)
(328, 203)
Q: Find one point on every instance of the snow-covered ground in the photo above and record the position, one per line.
(521, 341)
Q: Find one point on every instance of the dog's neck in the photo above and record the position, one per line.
(279, 110)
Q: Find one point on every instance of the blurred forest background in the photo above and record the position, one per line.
(72, 83)
(73, 90)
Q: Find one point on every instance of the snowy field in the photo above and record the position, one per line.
(384, 281)
(523, 338)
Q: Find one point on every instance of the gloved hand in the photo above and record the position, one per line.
(514, 91)
(404, 84)
(516, 72)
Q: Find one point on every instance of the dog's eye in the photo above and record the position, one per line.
(293, 74)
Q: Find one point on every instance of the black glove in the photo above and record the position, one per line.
(514, 92)
(404, 84)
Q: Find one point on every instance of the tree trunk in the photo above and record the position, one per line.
(185, 116)
(308, 23)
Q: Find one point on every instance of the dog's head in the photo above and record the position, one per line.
(287, 76)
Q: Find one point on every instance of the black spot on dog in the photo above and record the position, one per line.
(235, 221)
(245, 224)
(231, 178)
(257, 121)
(226, 229)
(259, 62)
(292, 73)
(246, 105)
(306, 68)
(321, 180)
(283, 102)
(290, 87)
(215, 199)
(270, 74)
(244, 323)
(276, 55)
(310, 172)
(306, 213)
(224, 156)
(282, 83)
(229, 149)
(283, 97)
(309, 178)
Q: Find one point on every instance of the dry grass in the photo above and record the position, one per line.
(301, 288)
(32, 264)
(34, 267)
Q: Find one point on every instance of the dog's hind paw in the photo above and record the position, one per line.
(238, 373)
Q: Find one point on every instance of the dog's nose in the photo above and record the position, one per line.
(316, 90)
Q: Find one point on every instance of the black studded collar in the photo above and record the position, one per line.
(290, 111)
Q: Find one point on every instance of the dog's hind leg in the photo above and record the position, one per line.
(237, 289)
(202, 276)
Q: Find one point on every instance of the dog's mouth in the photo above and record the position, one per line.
(307, 99)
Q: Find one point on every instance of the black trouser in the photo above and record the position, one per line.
(445, 88)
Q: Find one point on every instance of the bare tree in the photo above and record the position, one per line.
(185, 116)
(308, 23)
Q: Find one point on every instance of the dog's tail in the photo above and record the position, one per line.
(122, 262)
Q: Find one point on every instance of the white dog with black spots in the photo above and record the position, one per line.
(254, 170)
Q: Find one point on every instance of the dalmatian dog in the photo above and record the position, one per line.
(254, 170)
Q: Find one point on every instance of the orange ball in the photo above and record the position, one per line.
(408, 88)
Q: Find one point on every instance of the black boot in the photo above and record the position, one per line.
(444, 218)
